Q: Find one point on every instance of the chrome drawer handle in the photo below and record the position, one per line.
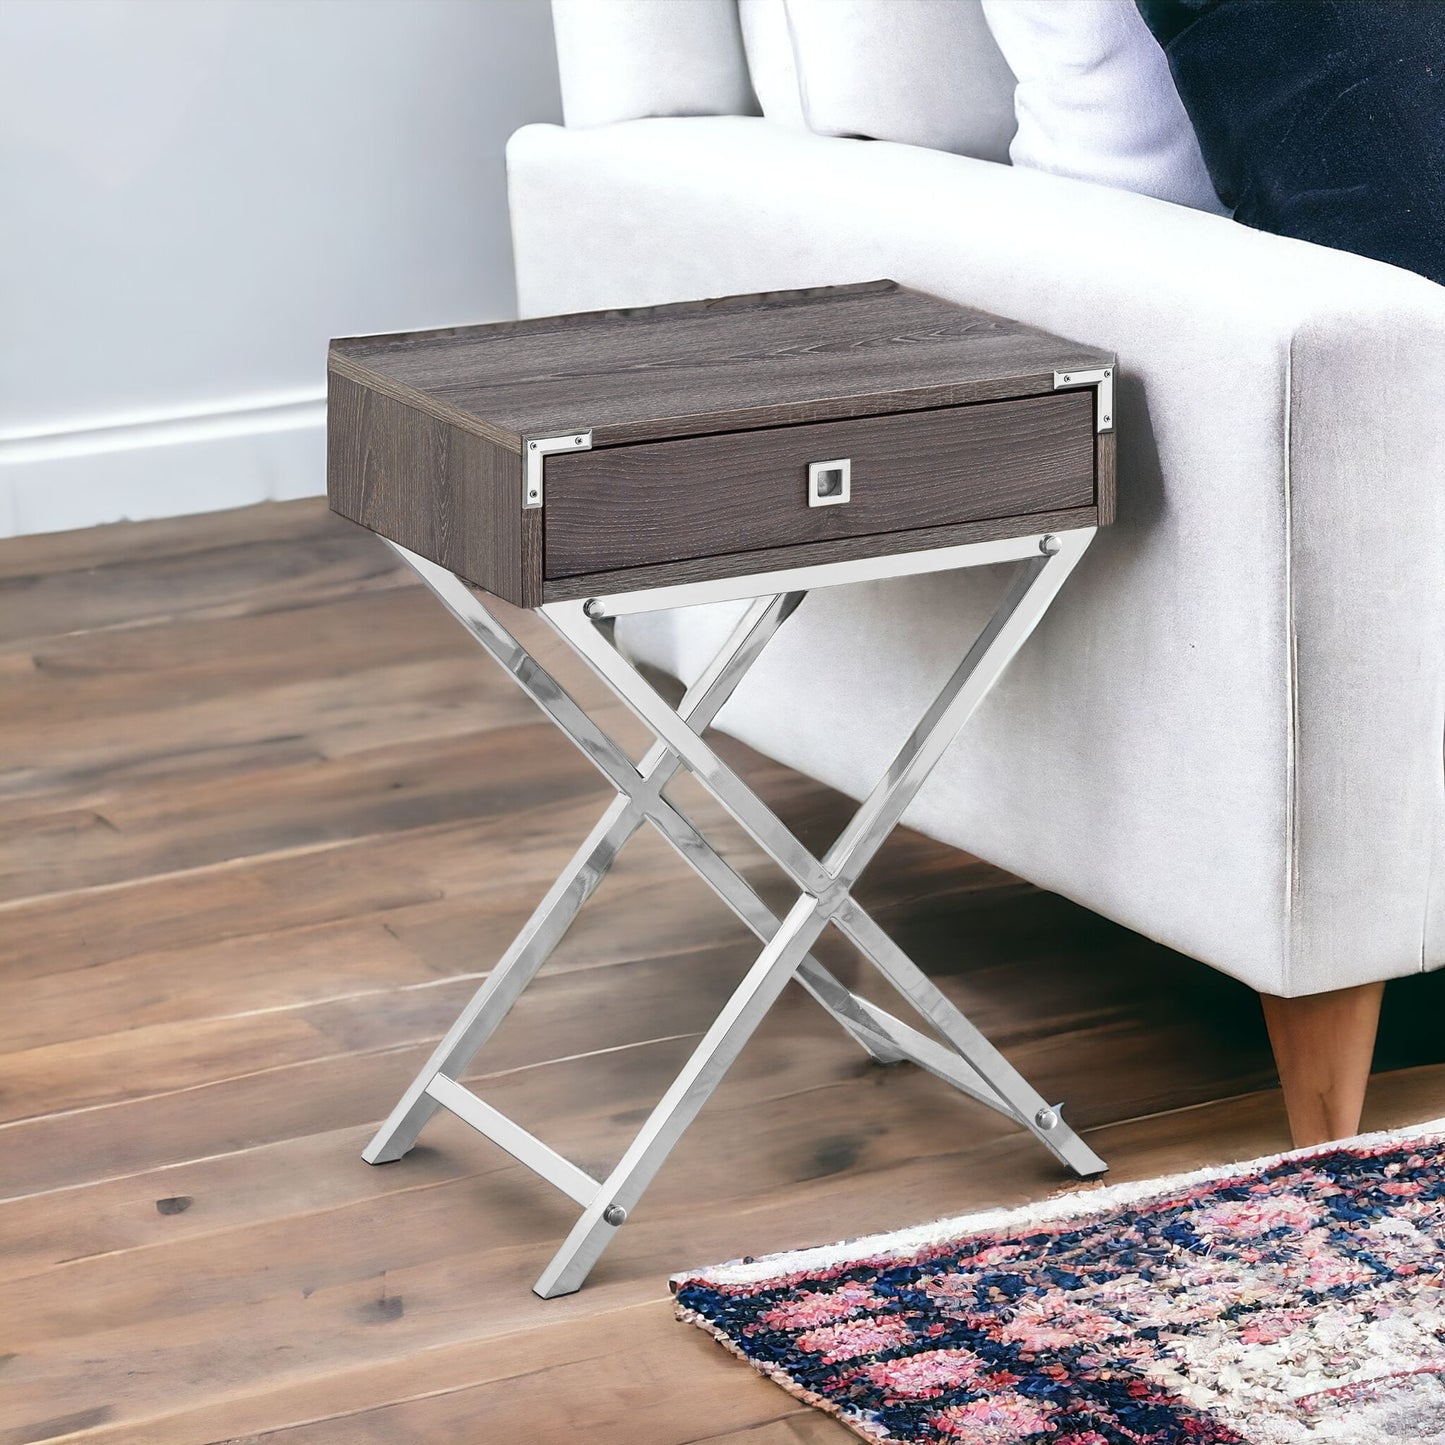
(829, 483)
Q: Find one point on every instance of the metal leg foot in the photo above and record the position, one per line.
(679, 1106)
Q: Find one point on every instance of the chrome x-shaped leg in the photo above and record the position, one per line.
(965, 1058)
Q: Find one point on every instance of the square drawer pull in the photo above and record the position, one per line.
(829, 483)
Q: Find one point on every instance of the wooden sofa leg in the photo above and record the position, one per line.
(1323, 1044)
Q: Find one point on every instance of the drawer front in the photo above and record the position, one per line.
(657, 502)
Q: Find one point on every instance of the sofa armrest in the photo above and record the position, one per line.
(1272, 596)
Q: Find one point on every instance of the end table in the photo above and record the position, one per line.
(748, 447)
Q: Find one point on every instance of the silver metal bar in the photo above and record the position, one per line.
(966, 1060)
(821, 574)
(591, 863)
(540, 1158)
(892, 1040)
(864, 1023)
(526, 672)
(504, 985)
(752, 814)
(1006, 631)
(1016, 1095)
(757, 627)
(935, 1058)
(738, 894)
(551, 919)
(850, 1012)
(1025, 602)
(688, 1092)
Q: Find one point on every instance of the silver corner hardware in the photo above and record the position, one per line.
(614, 1214)
(830, 483)
(1048, 1119)
(593, 608)
(1049, 545)
(1103, 378)
(536, 450)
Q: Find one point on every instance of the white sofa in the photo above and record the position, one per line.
(1228, 735)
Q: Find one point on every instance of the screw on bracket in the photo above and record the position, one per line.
(537, 451)
(1101, 377)
(614, 1214)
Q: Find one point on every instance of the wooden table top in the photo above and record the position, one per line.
(696, 367)
(689, 419)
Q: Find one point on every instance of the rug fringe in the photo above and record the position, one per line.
(1080, 1205)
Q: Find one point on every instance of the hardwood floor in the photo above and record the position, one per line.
(266, 815)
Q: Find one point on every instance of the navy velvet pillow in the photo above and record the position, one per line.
(1322, 119)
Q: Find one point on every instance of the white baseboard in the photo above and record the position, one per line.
(163, 466)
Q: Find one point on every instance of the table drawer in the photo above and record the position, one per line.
(710, 496)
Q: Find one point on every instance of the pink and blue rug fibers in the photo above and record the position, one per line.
(1295, 1300)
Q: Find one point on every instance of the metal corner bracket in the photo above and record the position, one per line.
(1103, 378)
(536, 449)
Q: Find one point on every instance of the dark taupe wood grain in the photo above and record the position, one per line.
(695, 367)
(437, 487)
(1105, 448)
(807, 554)
(709, 496)
(433, 424)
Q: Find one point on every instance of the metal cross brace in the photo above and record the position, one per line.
(961, 1055)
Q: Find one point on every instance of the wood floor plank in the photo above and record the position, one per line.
(424, 1378)
(266, 818)
(619, 1372)
(457, 931)
(205, 685)
(573, 1013)
(147, 832)
(1152, 1060)
(306, 887)
(236, 577)
(86, 550)
(621, 1383)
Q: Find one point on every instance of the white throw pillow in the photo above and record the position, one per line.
(658, 57)
(924, 72)
(1095, 99)
(769, 49)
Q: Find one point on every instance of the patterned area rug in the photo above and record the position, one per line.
(1287, 1300)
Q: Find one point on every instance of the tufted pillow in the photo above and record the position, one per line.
(1325, 121)
(1095, 99)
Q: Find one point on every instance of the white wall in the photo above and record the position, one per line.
(196, 194)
